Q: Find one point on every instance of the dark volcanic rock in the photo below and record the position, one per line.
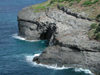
(66, 33)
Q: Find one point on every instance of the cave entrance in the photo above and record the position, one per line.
(49, 32)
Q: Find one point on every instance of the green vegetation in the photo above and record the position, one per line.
(98, 36)
(91, 7)
(51, 3)
(90, 2)
(65, 0)
(85, 2)
(98, 17)
(94, 5)
(94, 33)
(41, 7)
(94, 26)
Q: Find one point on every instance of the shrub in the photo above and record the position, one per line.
(98, 17)
(98, 36)
(98, 28)
(93, 26)
(94, 33)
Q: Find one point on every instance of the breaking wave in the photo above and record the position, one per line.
(22, 38)
(30, 58)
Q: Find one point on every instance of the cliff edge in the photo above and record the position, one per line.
(67, 35)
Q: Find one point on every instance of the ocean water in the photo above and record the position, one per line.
(16, 54)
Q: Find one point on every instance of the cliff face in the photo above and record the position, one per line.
(66, 33)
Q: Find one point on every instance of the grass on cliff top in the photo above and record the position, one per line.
(90, 2)
(91, 7)
(84, 2)
(41, 7)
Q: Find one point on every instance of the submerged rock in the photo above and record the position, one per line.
(66, 33)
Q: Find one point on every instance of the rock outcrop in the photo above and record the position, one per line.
(67, 37)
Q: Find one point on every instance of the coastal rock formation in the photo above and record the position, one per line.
(67, 37)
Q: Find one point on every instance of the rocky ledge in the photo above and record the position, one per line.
(68, 42)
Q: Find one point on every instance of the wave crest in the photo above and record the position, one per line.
(16, 36)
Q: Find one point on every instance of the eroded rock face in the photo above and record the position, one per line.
(33, 27)
(69, 44)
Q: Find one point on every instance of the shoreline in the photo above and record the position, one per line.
(54, 66)
(67, 36)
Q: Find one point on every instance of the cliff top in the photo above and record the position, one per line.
(88, 6)
(86, 9)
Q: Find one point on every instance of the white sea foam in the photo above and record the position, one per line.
(30, 58)
(18, 37)
(22, 38)
(85, 70)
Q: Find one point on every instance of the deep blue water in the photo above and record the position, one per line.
(13, 52)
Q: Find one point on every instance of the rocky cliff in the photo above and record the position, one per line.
(67, 37)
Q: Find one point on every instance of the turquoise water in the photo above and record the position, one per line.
(15, 54)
